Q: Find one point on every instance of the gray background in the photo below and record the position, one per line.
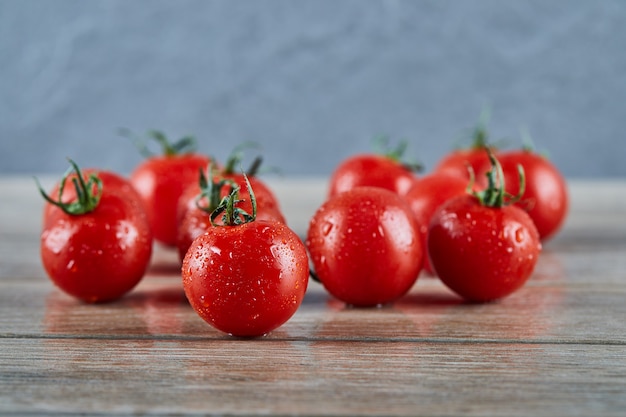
(311, 81)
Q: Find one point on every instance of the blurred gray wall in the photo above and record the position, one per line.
(311, 81)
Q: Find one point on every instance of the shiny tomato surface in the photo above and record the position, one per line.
(161, 180)
(425, 197)
(365, 246)
(247, 279)
(101, 255)
(482, 253)
(545, 198)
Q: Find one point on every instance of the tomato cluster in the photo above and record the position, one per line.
(244, 271)
(476, 221)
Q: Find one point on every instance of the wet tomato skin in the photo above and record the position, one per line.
(482, 253)
(545, 197)
(425, 197)
(365, 246)
(101, 255)
(160, 181)
(248, 279)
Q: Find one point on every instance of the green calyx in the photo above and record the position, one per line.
(185, 145)
(480, 134)
(231, 214)
(383, 147)
(88, 193)
(495, 195)
(209, 197)
(236, 156)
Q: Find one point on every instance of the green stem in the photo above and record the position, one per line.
(495, 194)
(184, 145)
(86, 198)
(231, 214)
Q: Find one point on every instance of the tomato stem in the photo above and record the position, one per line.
(184, 145)
(231, 214)
(210, 190)
(382, 144)
(236, 156)
(495, 194)
(88, 193)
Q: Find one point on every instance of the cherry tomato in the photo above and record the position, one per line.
(426, 195)
(375, 170)
(365, 246)
(161, 180)
(480, 247)
(97, 247)
(246, 278)
(545, 198)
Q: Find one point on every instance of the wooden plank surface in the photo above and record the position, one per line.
(556, 347)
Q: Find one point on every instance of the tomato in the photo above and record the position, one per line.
(246, 278)
(375, 170)
(426, 195)
(97, 247)
(482, 246)
(161, 180)
(365, 246)
(545, 197)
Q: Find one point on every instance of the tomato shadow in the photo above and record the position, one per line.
(429, 299)
(161, 270)
(170, 296)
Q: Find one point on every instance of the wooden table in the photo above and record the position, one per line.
(556, 347)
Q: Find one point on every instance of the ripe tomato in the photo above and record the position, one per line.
(161, 180)
(545, 198)
(375, 170)
(480, 247)
(96, 248)
(365, 246)
(246, 277)
(426, 195)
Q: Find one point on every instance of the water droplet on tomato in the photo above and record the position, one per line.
(326, 228)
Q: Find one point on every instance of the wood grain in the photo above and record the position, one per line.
(556, 347)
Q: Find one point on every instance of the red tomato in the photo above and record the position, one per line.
(161, 180)
(365, 246)
(545, 197)
(428, 193)
(246, 279)
(371, 170)
(100, 252)
(481, 248)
